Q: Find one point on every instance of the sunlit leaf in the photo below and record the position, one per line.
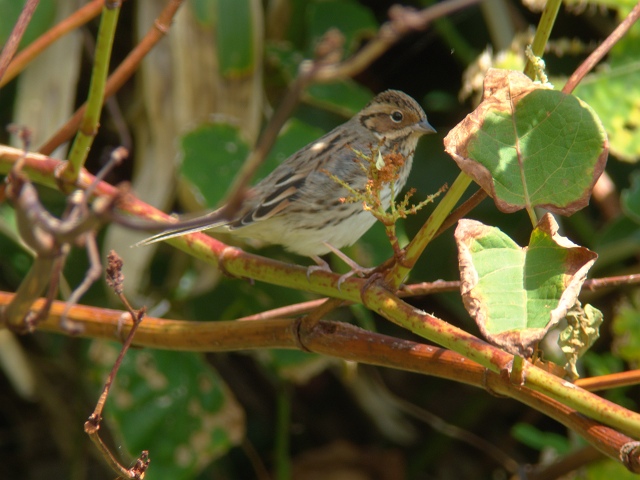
(516, 294)
(614, 93)
(528, 146)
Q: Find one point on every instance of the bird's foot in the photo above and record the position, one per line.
(324, 266)
(321, 266)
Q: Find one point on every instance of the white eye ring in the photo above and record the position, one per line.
(397, 116)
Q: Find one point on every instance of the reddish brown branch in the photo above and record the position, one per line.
(337, 340)
(124, 71)
(9, 49)
(73, 21)
(599, 53)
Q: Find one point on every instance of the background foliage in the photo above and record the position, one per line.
(190, 114)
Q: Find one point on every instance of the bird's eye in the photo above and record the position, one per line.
(397, 116)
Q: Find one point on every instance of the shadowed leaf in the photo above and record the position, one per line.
(235, 31)
(214, 153)
(631, 198)
(175, 402)
(354, 21)
(626, 330)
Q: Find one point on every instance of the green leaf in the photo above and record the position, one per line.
(239, 298)
(618, 240)
(294, 136)
(204, 12)
(626, 330)
(603, 363)
(623, 6)
(346, 98)
(235, 37)
(516, 294)
(353, 20)
(631, 198)
(539, 440)
(614, 92)
(530, 147)
(173, 405)
(607, 470)
(42, 19)
(213, 154)
(285, 58)
(294, 365)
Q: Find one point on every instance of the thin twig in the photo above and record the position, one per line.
(612, 380)
(562, 466)
(78, 18)
(472, 202)
(92, 425)
(312, 319)
(403, 20)
(9, 49)
(597, 55)
(120, 75)
(609, 282)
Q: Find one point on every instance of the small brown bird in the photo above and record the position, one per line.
(299, 206)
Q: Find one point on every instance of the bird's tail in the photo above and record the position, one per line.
(193, 225)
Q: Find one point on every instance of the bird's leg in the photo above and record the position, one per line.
(324, 266)
(355, 268)
(321, 266)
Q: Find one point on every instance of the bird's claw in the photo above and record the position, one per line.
(321, 266)
(324, 266)
(359, 271)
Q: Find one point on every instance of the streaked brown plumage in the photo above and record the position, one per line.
(298, 206)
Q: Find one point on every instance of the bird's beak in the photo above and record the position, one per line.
(424, 127)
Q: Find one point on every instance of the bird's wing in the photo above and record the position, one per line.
(270, 196)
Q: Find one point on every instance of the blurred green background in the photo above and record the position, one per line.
(189, 117)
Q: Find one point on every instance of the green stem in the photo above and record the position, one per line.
(282, 455)
(90, 122)
(375, 297)
(543, 32)
(31, 287)
(498, 361)
(429, 229)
